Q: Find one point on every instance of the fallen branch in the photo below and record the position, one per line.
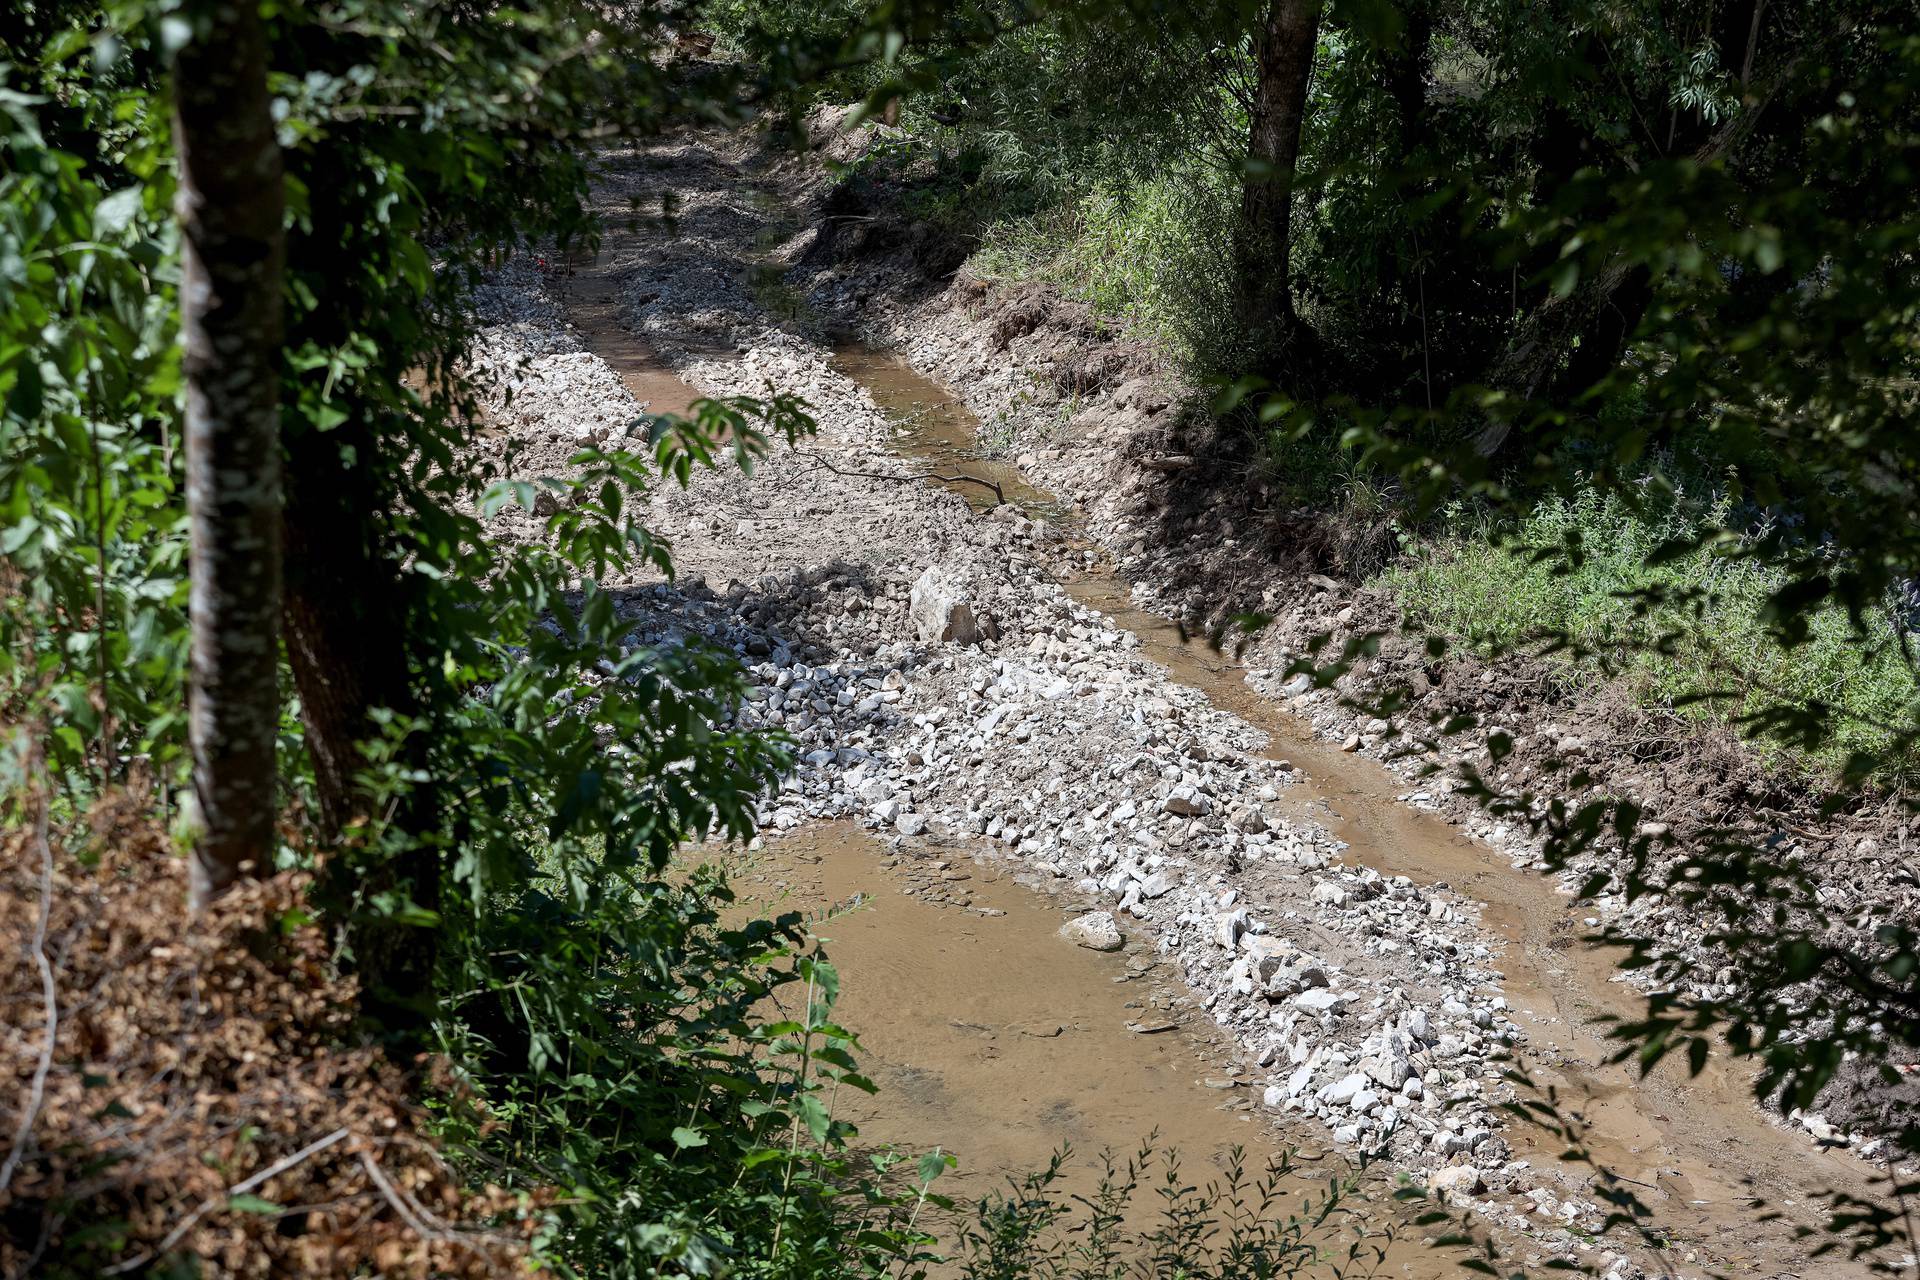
(416, 1218)
(918, 475)
(185, 1225)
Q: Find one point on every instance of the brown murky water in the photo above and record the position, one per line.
(592, 298)
(994, 1039)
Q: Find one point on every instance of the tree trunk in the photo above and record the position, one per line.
(347, 617)
(1283, 49)
(231, 205)
(1406, 69)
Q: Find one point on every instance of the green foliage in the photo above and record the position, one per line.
(1238, 1225)
(92, 614)
(591, 1006)
(635, 1061)
(1152, 255)
(1580, 576)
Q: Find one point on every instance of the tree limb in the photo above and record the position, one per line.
(918, 475)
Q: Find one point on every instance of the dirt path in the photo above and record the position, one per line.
(1085, 748)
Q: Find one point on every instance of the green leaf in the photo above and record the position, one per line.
(252, 1204)
(1564, 276)
(815, 1115)
(116, 213)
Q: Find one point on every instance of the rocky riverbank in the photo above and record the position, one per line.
(1097, 418)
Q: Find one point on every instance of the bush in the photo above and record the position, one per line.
(1691, 630)
(1154, 255)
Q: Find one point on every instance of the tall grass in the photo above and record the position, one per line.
(1154, 255)
(1578, 569)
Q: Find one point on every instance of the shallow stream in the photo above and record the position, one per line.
(976, 1052)
(1683, 1145)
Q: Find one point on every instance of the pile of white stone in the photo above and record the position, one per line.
(1367, 1001)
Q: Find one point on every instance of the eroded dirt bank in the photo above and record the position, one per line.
(983, 681)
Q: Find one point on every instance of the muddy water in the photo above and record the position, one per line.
(939, 430)
(995, 1040)
(991, 1037)
(1696, 1150)
(592, 299)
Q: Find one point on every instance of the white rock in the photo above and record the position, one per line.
(1455, 1184)
(1097, 931)
(1302, 1077)
(1341, 1091)
(1187, 801)
(1389, 1070)
(940, 610)
(1320, 1000)
(1228, 926)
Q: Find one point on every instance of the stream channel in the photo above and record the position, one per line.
(975, 1055)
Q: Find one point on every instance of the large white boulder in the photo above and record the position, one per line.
(1096, 931)
(940, 612)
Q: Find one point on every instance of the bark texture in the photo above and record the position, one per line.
(347, 621)
(345, 614)
(231, 205)
(1283, 49)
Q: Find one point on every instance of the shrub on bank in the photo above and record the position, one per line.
(1691, 629)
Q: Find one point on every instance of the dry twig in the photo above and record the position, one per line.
(917, 475)
(206, 1206)
(49, 994)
